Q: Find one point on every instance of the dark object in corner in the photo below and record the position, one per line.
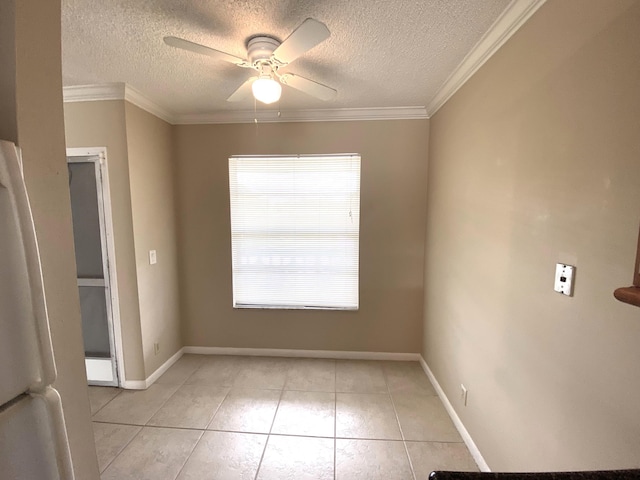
(631, 295)
(600, 475)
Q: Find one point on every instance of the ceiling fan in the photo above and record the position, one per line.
(267, 56)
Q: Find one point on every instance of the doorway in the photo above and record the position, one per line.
(95, 255)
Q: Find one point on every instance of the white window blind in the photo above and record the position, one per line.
(295, 224)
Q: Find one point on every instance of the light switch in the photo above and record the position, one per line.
(564, 279)
(153, 258)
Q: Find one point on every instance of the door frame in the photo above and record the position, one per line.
(98, 155)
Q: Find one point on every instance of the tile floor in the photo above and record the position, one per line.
(226, 417)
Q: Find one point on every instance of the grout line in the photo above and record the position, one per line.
(120, 390)
(276, 412)
(140, 427)
(184, 382)
(266, 444)
(163, 403)
(275, 434)
(217, 408)
(189, 456)
(395, 411)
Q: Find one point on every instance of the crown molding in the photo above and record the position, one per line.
(93, 93)
(319, 115)
(121, 91)
(508, 23)
(115, 91)
(132, 95)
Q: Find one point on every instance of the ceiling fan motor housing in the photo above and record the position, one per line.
(260, 49)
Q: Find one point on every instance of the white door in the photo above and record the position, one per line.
(93, 267)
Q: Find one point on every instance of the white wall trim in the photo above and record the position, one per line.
(151, 379)
(134, 384)
(135, 97)
(116, 91)
(318, 115)
(281, 352)
(121, 91)
(508, 23)
(164, 367)
(93, 93)
(466, 437)
(265, 352)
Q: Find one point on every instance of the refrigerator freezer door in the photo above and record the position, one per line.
(28, 443)
(26, 358)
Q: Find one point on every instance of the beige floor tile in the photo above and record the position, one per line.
(100, 396)
(262, 372)
(306, 413)
(423, 418)
(135, 407)
(192, 406)
(110, 439)
(225, 455)
(297, 458)
(360, 376)
(366, 415)
(219, 370)
(154, 454)
(246, 410)
(429, 456)
(181, 370)
(311, 374)
(407, 377)
(371, 460)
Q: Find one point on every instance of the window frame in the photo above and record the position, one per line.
(262, 306)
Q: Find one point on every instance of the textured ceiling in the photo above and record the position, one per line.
(381, 53)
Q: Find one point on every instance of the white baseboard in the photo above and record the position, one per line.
(134, 384)
(279, 352)
(466, 437)
(150, 380)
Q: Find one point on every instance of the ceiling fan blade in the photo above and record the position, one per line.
(309, 87)
(243, 91)
(309, 34)
(201, 49)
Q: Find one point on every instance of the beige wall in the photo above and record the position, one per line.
(102, 124)
(392, 228)
(152, 199)
(36, 123)
(536, 160)
(141, 180)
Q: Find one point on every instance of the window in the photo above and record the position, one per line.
(295, 225)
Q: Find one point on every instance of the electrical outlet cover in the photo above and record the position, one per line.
(564, 279)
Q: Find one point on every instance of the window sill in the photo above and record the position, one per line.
(292, 307)
(630, 295)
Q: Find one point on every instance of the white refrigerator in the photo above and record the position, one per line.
(33, 439)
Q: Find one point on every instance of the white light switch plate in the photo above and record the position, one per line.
(153, 258)
(564, 279)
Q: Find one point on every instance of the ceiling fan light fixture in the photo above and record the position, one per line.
(266, 89)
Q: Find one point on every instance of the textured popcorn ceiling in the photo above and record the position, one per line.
(381, 53)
